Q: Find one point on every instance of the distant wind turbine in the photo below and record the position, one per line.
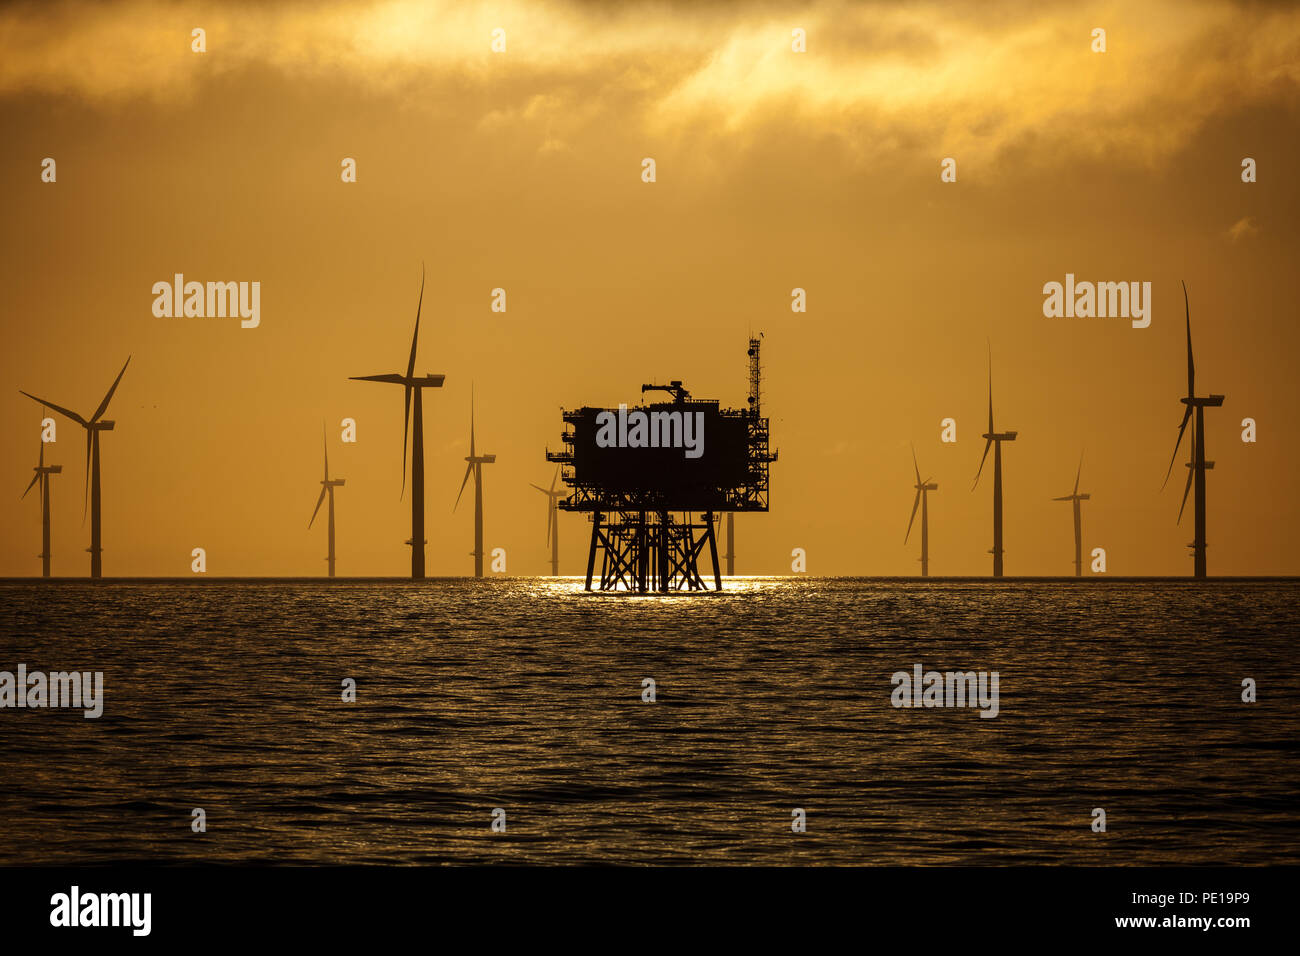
(1198, 464)
(410, 384)
(553, 521)
(93, 428)
(995, 439)
(328, 485)
(475, 466)
(43, 472)
(1075, 497)
(923, 489)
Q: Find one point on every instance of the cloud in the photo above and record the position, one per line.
(1020, 76)
(1242, 229)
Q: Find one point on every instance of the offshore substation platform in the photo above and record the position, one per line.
(654, 477)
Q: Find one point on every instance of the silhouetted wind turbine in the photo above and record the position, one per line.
(328, 485)
(476, 463)
(553, 521)
(93, 427)
(43, 472)
(1198, 463)
(923, 489)
(1078, 519)
(411, 384)
(995, 439)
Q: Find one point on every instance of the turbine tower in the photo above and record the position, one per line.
(1075, 497)
(475, 466)
(1191, 471)
(43, 472)
(730, 556)
(994, 438)
(1198, 464)
(410, 384)
(553, 521)
(923, 489)
(93, 427)
(328, 485)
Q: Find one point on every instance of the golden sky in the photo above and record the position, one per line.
(775, 170)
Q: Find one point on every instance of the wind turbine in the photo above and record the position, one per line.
(93, 428)
(553, 521)
(410, 384)
(923, 489)
(43, 472)
(1198, 464)
(476, 463)
(995, 439)
(1078, 519)
(328, 485)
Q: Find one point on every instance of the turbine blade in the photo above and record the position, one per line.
(35, 478)
(549, 519)
(410, 364)
(540, 488)
(468, 468)
(1181, 428)
(555, 477)
(987, 445)
(1191, 366)
(323, 491)
(471, 420)
(85, 500)
(394, 378)
(990, 389)
(58, 408)
(916, 503)
(1191, 472)
(325, 445)
(1078, 474)
(915, 466)
(103, 406)
(406, 431)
